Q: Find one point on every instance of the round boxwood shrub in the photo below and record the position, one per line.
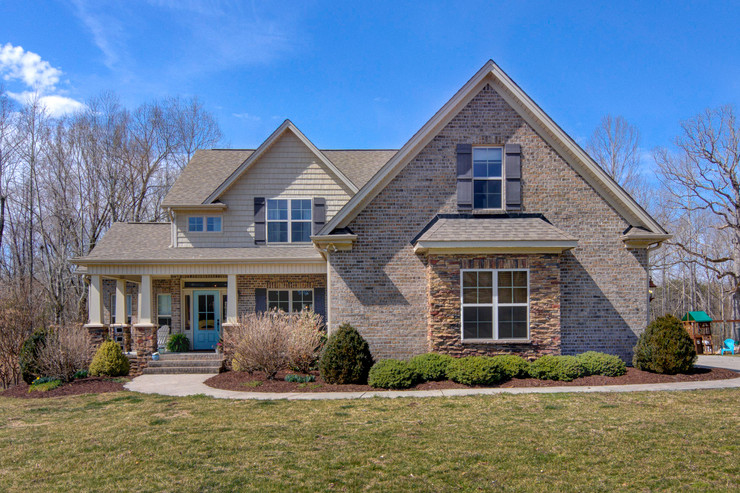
(346, 357)
(665, 347)
(608, 365)
(544, 368)
(431, 366)
(109, 361)
(476, 370)
(28, 357)
(513, 366)
(569, 368)
(178, 343)
(392, 374)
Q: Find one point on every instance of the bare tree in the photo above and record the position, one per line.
(703, 178)
(615, 146)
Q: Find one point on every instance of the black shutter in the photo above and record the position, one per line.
(513, 177)
(260, 300)
(319, 214)
(260, 229)
(319, 302)
(464, 176)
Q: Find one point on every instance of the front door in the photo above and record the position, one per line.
(207, 319)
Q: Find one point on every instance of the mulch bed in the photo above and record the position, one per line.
(257, 382)
(91, 385)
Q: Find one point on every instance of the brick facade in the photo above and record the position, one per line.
(247, 284)
(380, 286)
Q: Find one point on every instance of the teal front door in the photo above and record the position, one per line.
(207, 319)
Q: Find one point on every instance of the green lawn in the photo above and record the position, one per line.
(557, 442)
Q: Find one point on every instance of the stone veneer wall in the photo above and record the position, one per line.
(380, 286)
(443, 274)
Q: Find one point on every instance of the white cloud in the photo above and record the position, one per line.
(27, 67)
(39, 77)
(106, 30)
(54, 104)
(247, 116)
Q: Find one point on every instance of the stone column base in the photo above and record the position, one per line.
(226, 347)
(144, 342)
(96, 334)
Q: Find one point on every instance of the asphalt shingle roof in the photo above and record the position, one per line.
(208, 169)
(150, 242)
(493, 229)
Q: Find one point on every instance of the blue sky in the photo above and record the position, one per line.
(369, 74)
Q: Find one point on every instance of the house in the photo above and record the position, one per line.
(490, 231)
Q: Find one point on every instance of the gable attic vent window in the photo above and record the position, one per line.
(288, 220)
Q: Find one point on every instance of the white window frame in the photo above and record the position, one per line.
(159, 315)
(289, 220)
(290, 297)
(129, 309)
(205, 224)
(494, 306)
(502, 179)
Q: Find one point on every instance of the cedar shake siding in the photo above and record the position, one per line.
(381, 286)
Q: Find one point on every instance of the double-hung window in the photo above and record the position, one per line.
(293, 300)
(164, 310)
(495, 304)
(288, 220)
(199, 224)
(487, 178)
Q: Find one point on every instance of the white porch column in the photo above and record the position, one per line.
(145, 300)
(232, 298)
(121, 318)
(95, 301)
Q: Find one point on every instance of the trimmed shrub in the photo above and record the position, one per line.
(28, 358)
(608, 365)
(109, 361)
(178, 343)
(544, 368)
(513, 366)
(665, 347)
(392, 374)
(431, 366)
(569, 368)
(476, 370)
(346, 357)
(548, 367)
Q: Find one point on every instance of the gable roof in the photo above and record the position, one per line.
(287, 126)
(359, 165)
(203, 174)
(566, 147)
(209, 168)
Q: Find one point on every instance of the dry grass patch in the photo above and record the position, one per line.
(559, 442)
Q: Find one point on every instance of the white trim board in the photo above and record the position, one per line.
(568, 149)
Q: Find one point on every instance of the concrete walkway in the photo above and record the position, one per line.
(192, 384)
(726, 361)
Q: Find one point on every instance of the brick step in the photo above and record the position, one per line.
(183, 362)
(190, 356)
(173, 370)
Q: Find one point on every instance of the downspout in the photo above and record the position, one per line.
(327, 251)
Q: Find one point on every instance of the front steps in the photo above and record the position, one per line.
(173, 363)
